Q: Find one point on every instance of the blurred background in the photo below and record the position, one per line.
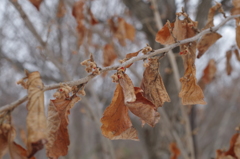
(46, 40)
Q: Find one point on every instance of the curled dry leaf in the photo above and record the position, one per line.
(127, 87)
(7, 135)
(128, 56)
(36, 3)
(211, 13)
(3, 139)
(237, 147)
(206, 41)
(121, 30)
(36, 120)
(116, 123)
(164, 36)
(109, 55)
(179, 30)
(236, 7)
(152, 84)
(61, 10)
(130, 31)
(208, 74)
(190, 92)
(77, 10)
(231, 152)
(228, 62)
(144, 109)
(175, 152)
(57, 132)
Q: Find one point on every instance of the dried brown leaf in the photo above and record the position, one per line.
(17, 152)
(121, 30)
(61, 10)
(7, 135)
(3, 140)
(93, 20)
(116, 123)
(228, 62)
(36, 120)
(211, 13)
(190, 92)
(144, 109)
(152, 84)
(109, 55)
(231, 150)
(58, 138)
(77, 10)
(130, 55)
(36, 3)
(206, 41)
(236, 7)
(208, 74)
(127, 87)
(175, 152)
(130, 31)
(237, 147)
(164, 35)
(179, 30)
(81, 30)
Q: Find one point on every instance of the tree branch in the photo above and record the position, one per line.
(161, 52)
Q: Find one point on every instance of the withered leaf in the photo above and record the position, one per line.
(236, 7)
(61, 10)
(231, 150)
(237, 147)
(116, 123)
(36, 119)
(109, 55)
(190, 92)
(77, 10)
(211, 13)
(58, 138)
(208, 74)
(121, 30)
(36, 3)
(175, 152)
(127, 87)
(179, 30)
(228, 62)
(17, 152)
(231, 153)
(206, 41)
(152, 84)
(93, 20)
(144, 109)
(3, 140)
(130, 31)
(164, 36)
(81, 30)
(7, 135)
(130, 55)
